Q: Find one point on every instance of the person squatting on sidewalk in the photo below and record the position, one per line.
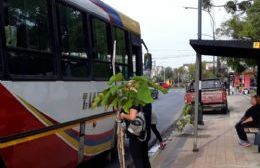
(155, 130)
(250, 119)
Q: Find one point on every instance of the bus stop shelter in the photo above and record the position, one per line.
(230, 48)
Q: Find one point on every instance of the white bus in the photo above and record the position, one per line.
(55, 56)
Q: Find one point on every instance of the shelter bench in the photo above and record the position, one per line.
(252, 130)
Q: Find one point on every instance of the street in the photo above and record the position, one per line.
(168, 108)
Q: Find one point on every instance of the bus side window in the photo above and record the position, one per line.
(27, 24)
(102, 68)
(73, 43)
(28, 38)
(121, 51)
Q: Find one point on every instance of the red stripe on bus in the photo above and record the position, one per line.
(14, 117)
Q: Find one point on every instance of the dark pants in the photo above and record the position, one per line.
(139, 152)
(241, 131)
(156, 132)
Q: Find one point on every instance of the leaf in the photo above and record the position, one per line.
(106, 98)
(97, 101)
(144, 94)
(127, 105)
(140, 78)
(116, 78)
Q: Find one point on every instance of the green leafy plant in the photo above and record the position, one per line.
(121, 95)
(185, 119)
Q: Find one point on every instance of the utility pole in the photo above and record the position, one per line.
(164, 80)
(197, 81)
(213, 24)
(178, 80)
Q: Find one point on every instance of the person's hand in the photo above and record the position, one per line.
(122, 116)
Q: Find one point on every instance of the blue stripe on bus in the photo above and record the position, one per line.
(112, 13)
(90, 142)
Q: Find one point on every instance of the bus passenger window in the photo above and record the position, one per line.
(119, 36)
(123, 70)
(100, 42)
(23, 63)
(28, 39)
(102, 71)
(27, 24)
(71, 32)
(75, 68)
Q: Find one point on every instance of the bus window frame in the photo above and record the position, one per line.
(85, 28)
(6, 49)
(128, 50)
(139, 57)
(109, 43)
(108, 31)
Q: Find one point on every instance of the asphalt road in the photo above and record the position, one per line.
(168, 108)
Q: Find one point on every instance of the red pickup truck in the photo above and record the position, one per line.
(213, 95)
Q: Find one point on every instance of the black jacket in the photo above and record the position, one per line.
(253, 112)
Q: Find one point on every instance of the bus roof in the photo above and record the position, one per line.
(108, 13)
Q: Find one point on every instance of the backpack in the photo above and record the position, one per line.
(137, 127)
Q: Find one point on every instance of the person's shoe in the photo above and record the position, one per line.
(162, 145)
(244, 143)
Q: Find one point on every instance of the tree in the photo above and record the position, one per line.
(207, 4)
(121, 95)
(205, 73)
(180, 75)
(244, 24)
(168, 73)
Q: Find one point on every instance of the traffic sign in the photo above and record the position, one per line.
(256, 45)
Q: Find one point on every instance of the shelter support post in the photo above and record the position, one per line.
(258, 77)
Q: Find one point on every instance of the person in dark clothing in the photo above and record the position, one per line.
(155, 130)
(139, 149)
(250, 119)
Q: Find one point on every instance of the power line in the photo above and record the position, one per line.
(173, 57)
(171, 49)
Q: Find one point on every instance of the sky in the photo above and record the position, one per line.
(167, 26)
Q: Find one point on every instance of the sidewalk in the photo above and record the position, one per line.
(218, 144)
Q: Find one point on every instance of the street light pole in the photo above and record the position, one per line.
(213, 25)
(164, 80)
(197, 80)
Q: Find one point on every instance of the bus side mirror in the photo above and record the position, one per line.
(148, 62)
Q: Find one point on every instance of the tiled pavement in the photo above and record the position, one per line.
(218, 144)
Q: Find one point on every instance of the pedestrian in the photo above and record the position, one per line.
(250, 119)
(139, 145)
(155, 130)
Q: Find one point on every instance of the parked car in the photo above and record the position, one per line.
(213, 95)
(165, 85)
(155, 93)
